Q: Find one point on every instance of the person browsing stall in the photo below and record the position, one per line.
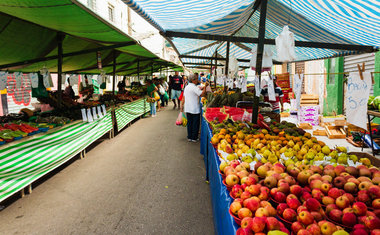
(191, 106)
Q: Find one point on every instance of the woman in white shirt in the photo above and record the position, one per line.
(191, 106)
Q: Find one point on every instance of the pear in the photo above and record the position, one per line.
(326, 150)
(291, 144)
(354, 158)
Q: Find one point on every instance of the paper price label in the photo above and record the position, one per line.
(89, 116)
(95, 116)
(34, 79)
(84, 116)
(100, 112)
(271, 93)
(18, 78)
(104, 109)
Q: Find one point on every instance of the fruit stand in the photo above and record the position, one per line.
(25, 161)
(258, 173)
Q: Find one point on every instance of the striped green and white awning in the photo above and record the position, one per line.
(130, 111)
(23, 163)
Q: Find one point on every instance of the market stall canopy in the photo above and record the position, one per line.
(323, 22)
(28, 38)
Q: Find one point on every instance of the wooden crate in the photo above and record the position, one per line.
(340, 122)
(305, 126)
(320, 132)
(309, 100)
(335, 132)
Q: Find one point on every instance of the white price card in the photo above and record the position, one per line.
(256, 82)
(73, 79)
(34, 79)
(298, 79)
(100, 112)
(244, 85)
(104, 109)
(63, 81)
(3, 79)
(89, 78)
(357, 98)
(89, 116)
(95, 116)
(84, 116)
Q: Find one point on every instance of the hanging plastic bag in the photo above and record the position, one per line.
(181, 96)
(48, 82)
(285, 46)
(166, 96)
(184, 120)
(156, 96)
(233, 66)
(267, 58)
(178, 122)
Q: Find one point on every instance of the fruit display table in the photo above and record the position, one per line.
(22, 163)
(221, 200)
(128, 112)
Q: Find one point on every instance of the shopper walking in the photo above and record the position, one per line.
(151, 89)
(156, 82)
(191, 106)
(165, 97)
(176, 86)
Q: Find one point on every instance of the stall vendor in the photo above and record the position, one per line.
(278, 94)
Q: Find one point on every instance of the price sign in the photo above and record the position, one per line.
(3, 79)
(357, 97)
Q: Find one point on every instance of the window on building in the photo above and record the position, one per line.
(111, 12)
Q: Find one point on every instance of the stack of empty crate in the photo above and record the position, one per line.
(309, 110)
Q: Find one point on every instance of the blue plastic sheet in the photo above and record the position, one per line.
(220, 198)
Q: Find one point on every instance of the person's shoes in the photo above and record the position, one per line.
(189, 140)
(174, 106)
(153, 115)
(194, 141)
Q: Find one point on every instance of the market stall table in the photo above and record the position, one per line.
(220, 198)
(24, 162)
(126, 113)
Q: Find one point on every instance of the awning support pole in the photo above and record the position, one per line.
(227, 62)
(114, 72)
(59, 68)
(138, 70)
(259, 56)
(216, 66)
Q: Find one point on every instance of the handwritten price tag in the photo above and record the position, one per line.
(298, 79)
(357, 98)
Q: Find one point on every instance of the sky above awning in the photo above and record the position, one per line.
(340, 21)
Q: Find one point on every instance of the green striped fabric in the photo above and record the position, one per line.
(128, 112)
(23, 163)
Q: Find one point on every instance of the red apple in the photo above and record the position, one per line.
(342, 202)
(317, 194)
(296, 190)
(236, 191)
(376, 203)
(372, 222)
(339, 169)
(284, 187)
(374, 191)
(363, 196)
(352, 171)
(303, 232)
(325, 188)
(349, 219)
(290, 196)
(244, 231)
(297, 226)
(375, 232)
(312, 204)
(261, 212)
(313, 229)
(271, 210)
(272, 224)
(305, 196)
(245, 195)
(317, 216)
(231, 180)
(334, 193)
(281, 208)
(273, 192)
(290, 215)
(244, 212)
(331, 207)
(305, 218)
(339, 182)
(349, 196)
(365, 172)
(360, 208)
(329, 172)
(327, 228)
(270, 181)
(348, 210)
(328, 200)
(246, 222)
(254, 189)
(364, 185)
(294, 204)
(303, 177)
(280, 197)
(252, 204)
(359, 232)
(235, 207)
(258, 224)
(301, 208)
(316, 184)
(327, 179)
(336, 215)
(351, 187)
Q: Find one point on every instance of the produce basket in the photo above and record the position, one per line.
(237, 219)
